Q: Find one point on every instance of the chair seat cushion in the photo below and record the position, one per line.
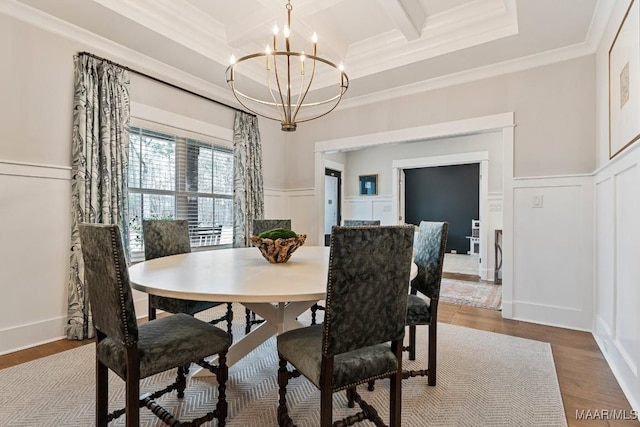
(418, 311)
(174, 305)
(166, 343)
(303, 348)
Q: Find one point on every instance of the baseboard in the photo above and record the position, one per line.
(22, 337)
(562, 317)
(624, 373)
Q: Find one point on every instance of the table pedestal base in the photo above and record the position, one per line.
(278, 318)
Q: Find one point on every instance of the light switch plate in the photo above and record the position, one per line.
(537, 201)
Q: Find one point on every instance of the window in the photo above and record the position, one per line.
(180, 178)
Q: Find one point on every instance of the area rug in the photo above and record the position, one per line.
(476, 294)
(484, 379)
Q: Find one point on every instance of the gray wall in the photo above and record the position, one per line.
(554, 109)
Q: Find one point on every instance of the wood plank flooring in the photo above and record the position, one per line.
(586, 381)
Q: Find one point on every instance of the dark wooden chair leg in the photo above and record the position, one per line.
(181, 381)
(371, 385)
(326, 407)
(395, 391)
(412, 342)
(229, 318)
(222, 375)
(247, 327)
(102, 394)
(152, 312)
(132, 410)
(283, 380)
(351, 397)
(431, 380)
(314, 308)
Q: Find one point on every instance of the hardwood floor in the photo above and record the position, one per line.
(586, 381)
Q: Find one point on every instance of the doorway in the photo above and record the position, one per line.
(332, 201)
(445, 193)
(481, 159)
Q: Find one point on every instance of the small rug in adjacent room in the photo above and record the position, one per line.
(476, 294)
(484, 379)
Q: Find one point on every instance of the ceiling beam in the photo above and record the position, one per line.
(260, 22)
(408, 15)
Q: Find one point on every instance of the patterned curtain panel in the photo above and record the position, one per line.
(248, 191)
(100, 157)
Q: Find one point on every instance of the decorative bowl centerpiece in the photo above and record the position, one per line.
(278, 244)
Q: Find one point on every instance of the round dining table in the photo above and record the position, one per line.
(278, 293)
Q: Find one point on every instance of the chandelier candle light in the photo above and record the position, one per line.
(285, 76)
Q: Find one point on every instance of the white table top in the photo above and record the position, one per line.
(235, 275)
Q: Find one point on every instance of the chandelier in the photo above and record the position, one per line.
(289, 76)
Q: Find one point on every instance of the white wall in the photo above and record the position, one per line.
(377, 160)
(617, 236)
(552, 251)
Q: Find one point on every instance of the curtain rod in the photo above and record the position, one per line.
(155, 79)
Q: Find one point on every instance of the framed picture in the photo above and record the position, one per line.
(368, 185)
(624, 83)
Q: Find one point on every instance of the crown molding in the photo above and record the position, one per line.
(168, 17)
(134, 59)
(114, 51)
(480, 73)
(598, 25)
(469, 25)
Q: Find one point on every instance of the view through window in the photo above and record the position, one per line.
(171, 177)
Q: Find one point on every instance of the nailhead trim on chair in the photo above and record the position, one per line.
(127, 335)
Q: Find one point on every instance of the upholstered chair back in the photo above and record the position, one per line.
(430, 246)
(165, 238)
(368, 282)
(262, 225)
(360, 222)
(107, 281)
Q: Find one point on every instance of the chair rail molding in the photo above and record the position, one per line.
(34, 170)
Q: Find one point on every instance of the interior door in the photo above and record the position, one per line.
(332, 201)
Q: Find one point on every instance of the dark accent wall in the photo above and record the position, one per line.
(445, 193)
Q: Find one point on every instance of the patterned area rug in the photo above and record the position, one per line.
(476, 294)
(484, 379)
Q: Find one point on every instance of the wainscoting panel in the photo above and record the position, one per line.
(552, 256)
(34, 231)
(276, 204)
(303, 213)
(369, 207)
(605, 254)
(617, 287)
(627, 250)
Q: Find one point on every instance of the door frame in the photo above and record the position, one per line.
(480, 157)
(503, 122)
(338, 167)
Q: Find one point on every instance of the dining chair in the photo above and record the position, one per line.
(171, 237)
(360, 222)
(134, 352)
(259, 226)
(367, 290)
(429, 249)
(347, 223)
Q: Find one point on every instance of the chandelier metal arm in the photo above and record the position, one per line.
(276, 104)
(301, 99)
(287, 112)
(279, 107)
